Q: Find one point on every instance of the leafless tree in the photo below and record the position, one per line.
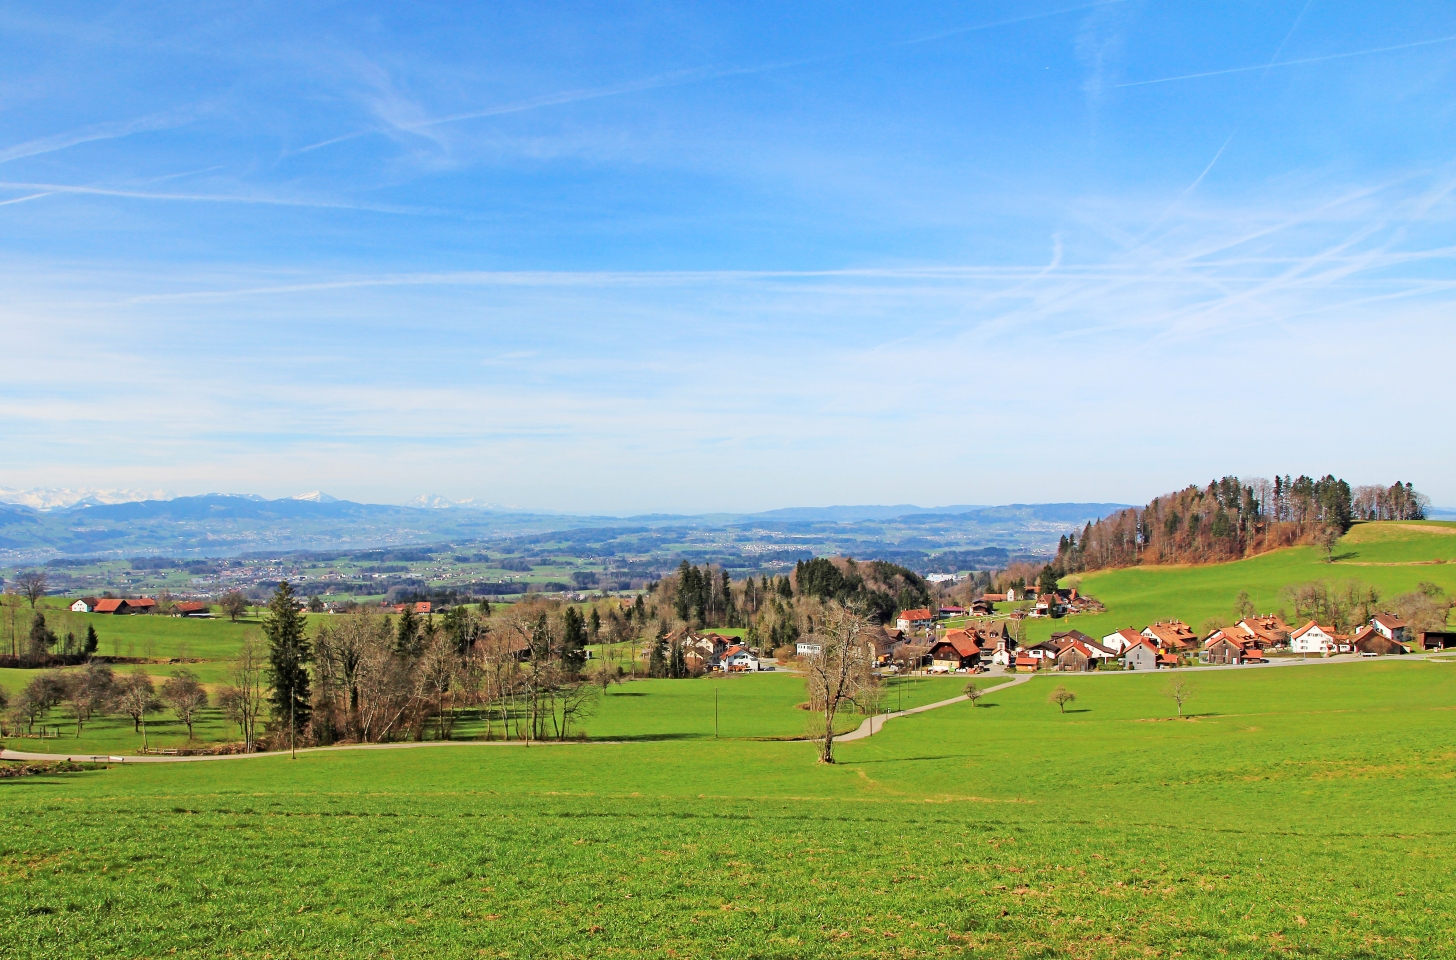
(88, 691)
(1180, 691)
(839, 671)
(32, 585)
(234, 604)
(185, 696)
(247, 681)
(1061, 696)
(135, 697)
(345, 649)
(437, 674)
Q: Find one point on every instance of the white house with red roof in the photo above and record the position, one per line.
(914, 619)
(1121, 640)
(1316, 638)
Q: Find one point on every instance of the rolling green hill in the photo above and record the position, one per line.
(1394, 557)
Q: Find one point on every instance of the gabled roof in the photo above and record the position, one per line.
(961, 640)
(919, 613)
(1388, 622)
(1327, 630)
(109, 606)
(189, 606)
(1142, 642)
(142, 602)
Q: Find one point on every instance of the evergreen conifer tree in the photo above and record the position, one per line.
(289, 653)
(92, 641)
(573, 640)
(407, 633)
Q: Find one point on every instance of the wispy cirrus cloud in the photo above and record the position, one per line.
(1302, 61)
(91, 134)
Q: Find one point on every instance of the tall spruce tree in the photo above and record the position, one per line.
(92, 641)
(407, 634)
(289, 653)
(573, 640)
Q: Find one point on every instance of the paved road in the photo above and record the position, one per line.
(873, 724)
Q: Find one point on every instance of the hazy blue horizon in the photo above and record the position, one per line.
(701, 258)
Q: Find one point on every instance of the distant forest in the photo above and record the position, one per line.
(1233, 518)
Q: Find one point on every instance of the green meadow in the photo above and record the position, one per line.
(1394, 557)
(1299, 811)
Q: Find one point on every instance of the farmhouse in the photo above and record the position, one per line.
(422, 606)
(189, 608)
(1314, 638)
(1391, 628)
(914, 619)
(1171, 636)
(1076, 655)
(739, 660)
(990, 599)
(1049, 605)
(84, 605)
(1223, 647)
(983, 607)
(957, 650)
(1371, 642)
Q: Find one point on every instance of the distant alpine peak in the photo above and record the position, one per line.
(433, 501)
(316, 496)
(51, 498)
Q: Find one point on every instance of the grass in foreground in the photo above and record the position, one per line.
(1298, 815)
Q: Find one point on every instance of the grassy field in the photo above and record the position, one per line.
(1393, 557)
(1299, 813)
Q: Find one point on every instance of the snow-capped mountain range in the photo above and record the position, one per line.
(51, 498)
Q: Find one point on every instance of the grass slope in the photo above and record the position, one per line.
(1298, 815)
(1391, 556)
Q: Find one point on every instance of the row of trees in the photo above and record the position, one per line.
(95, 691)
(1231, 518)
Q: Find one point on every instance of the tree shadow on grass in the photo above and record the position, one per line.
(626, 693)
(857, 763)
(649, 737)
(1078, 710)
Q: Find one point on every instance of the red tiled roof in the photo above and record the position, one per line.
(920, 613)
(108, 606)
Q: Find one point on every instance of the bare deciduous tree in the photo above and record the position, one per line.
(1180, 691)
(135, 697)
(185, 696)
(1061, 696)
(234, 604)
(88, 692)
(838, 671)
(32, 585)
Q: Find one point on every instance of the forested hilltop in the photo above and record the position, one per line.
(1233, 518)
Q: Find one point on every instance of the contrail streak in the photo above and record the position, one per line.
(1290, 63)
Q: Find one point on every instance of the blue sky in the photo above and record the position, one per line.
(689, 257)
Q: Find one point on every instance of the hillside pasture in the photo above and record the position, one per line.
(1393, 557)
(1297, 815)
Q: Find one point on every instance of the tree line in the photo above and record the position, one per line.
(1233, 518)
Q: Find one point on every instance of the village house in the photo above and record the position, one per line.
(1121, 640)
(84, 605)
(983, 607)
(914, 619)
(808, 647)
(1025, 661)
(118, 606)
(1076, 655)
(957, 650)
(422, 606)
(880, 644)
(992, 598)
(1266, 631)
(190, 608)
(738, 659)
(708, 646)
(1371, 642)
(1224, 647)
(1142, 655)
(1172, 636)
(1317, 638)
(1391, 628)
(947, 613)
(1048, 605)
